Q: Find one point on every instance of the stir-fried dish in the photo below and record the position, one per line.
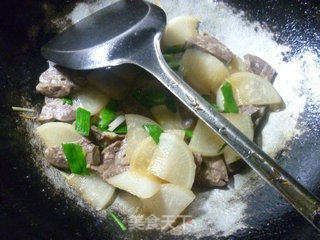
(107, 130)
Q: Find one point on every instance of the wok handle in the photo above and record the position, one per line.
(300, 198)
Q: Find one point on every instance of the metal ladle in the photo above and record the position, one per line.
(130, 32)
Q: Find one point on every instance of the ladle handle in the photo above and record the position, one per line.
(300, 198)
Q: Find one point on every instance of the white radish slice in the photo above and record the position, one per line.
(204, 141)
(142, 156)
(173, 161)
(141, 186)
(244, 123)
(170, 200)
(128, 204)
(179, 30)
(90, 99)
(237, 65)
(207, 143)
(135, 133)
(56, 133)
(177, 132)
(98, 193)
(204, 72)
(251, 89)
(166, 118)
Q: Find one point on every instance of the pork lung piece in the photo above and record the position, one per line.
(113, 160)
(211, 172)
(55, 155)
(212, 46)
(56, 83)
(104, 139)
(56, 109)
(256, 113)
(260, 67)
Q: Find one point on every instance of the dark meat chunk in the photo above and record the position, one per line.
(197, 159)
(212, 46)
(256, 112)
(55, 155)
(93, 153)
(56, 109)
(104, 139)
(56, 83)
(113, 160)
(235, 166)
(211, 172)
(260, 67)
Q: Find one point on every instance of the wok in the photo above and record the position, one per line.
(36, 203)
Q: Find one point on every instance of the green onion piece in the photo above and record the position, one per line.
(82, 121)
(172, 62)
(171, 105)
(149, 98)
(108, 114)
(121, 130)
(154, 131)
(67, 100)
(229, 104)
(173, 49)
(76, 158)
(118, 221)
(222, 147)
(208, 99)
(21, 109)
(154, 97)
(169, 57)
(188, 133)
(174, 65)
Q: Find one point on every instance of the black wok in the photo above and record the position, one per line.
(33, 208)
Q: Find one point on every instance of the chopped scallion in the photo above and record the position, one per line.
(121, 130)
(67, 100)
(21, 109)
(172, 62)
(76, 158)
(229, 103)
(27, 116)
(169, 57)
(118, 221)
(154, 97)
(222, 147)
(154, 131)
(82, 121)
(108, 114)
(149, 98)
(173, 49)
(188, 133)
(174, 65)
(207, 98)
